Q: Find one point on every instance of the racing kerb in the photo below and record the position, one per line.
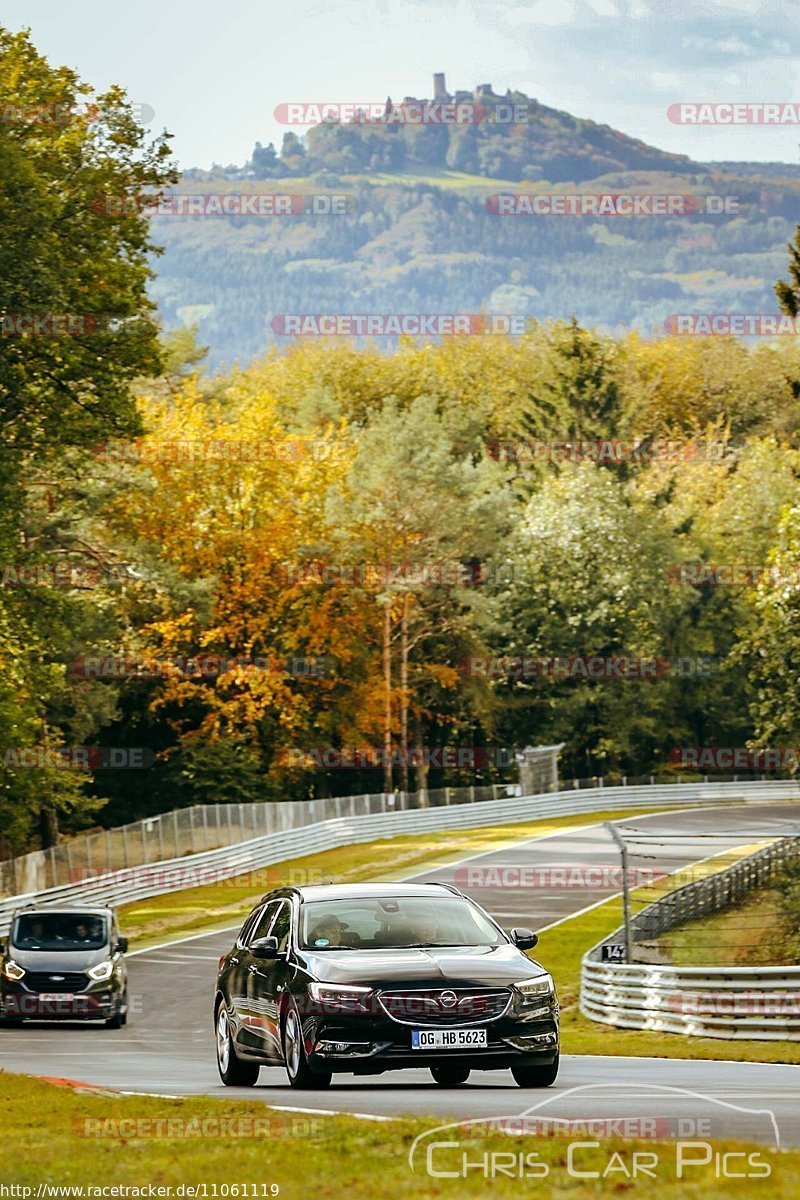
(139, 883)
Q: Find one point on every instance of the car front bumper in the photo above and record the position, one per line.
(372, 1044)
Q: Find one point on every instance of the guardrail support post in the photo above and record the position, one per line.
(626, 900)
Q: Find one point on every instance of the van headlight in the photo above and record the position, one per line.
(12, 970)
(535, 989)
(102, 971)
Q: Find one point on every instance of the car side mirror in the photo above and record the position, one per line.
(265, 947)
(526, 939)
(122, 944)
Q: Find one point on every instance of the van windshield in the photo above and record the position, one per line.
(59, 931)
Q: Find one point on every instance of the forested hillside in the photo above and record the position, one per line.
(415, 229)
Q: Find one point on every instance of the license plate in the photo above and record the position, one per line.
(447, 1039)
(55, 997)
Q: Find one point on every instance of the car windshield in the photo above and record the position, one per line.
(59, 931)
(379, 922)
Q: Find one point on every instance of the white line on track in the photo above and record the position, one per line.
(333, 1112)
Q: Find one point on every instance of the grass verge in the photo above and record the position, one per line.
(752, 934)
(63, 1138)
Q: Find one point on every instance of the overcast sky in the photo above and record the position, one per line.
(214, 72)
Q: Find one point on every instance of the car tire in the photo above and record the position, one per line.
(450, 1074)
(536, 1076)
(10, 1022)
(232, 1070)
(294, 1056)
(120, 1017)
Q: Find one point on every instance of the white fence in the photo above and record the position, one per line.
(373, 817)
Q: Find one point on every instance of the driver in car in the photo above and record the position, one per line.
(34, 938)
(327, 932)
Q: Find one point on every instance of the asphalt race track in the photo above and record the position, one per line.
(167, 1046)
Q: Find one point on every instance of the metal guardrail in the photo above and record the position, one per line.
(372, 817)
(757, 1003)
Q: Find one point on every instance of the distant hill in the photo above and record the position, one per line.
(418, 236)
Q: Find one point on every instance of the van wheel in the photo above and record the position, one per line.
(120, 1017)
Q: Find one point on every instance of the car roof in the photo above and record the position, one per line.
(364, 891)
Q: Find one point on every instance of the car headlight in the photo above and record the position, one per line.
(535, 989)
(12, 970)
(102, 971)
(339, 998)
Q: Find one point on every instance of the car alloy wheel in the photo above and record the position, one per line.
(294, 1054)
(232, 1071)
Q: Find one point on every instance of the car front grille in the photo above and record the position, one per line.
(445, 1006)
(57, 981)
